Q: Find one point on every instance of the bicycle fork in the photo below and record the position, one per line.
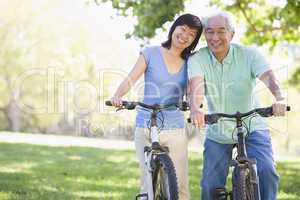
(148, 153)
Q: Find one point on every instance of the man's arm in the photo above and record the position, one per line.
(269, 79)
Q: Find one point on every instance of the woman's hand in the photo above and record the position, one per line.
(116, 101)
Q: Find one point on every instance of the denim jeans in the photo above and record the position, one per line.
(217, 160)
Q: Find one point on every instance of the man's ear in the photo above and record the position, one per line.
(232, 34)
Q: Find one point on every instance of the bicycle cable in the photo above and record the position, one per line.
(160, 118)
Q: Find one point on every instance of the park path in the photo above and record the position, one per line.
(68, 141)
(195, 145)
(65, 141)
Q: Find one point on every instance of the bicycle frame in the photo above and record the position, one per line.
(155, 149)
(242, 160)
(150, 152)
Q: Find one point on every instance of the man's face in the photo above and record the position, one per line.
(217, 35)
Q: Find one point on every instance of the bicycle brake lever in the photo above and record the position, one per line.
(130, 107)
(121, 108)
(211, 119)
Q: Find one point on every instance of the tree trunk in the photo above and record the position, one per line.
(13, 114)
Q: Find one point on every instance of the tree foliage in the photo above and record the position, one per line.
(267, 23)
(150, 14)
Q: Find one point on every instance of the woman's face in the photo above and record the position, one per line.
(183, 36)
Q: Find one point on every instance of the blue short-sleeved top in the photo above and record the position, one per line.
(162, 88)
(229, 86)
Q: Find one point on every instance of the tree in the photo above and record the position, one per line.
(33, 46)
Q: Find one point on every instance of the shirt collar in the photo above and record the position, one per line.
(227, 60)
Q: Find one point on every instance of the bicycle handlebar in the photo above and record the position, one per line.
(130, 105)
(213, 118)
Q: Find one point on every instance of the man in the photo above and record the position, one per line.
(226, 73)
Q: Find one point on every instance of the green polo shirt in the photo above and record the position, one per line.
(229, 87)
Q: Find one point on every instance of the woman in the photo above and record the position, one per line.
(165, 73)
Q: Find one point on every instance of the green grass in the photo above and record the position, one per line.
(30, 172)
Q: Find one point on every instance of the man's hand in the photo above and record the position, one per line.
(197, 118)
(279, 108)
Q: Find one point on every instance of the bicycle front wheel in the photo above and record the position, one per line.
(164, 179)
(245, 188)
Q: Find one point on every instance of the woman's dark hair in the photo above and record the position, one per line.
(191, 21)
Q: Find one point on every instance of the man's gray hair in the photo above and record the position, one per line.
(229, 18)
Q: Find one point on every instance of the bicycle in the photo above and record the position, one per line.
(161, 176)
(245, 182)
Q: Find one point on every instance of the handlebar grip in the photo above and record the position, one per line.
(269, 111)
(108, 103)
(209, 119)
(125, 105)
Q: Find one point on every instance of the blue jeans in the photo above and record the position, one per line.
(217, 160)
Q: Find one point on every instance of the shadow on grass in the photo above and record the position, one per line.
(40, 172)
(34, 172)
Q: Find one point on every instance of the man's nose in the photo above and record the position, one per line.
(215, 36)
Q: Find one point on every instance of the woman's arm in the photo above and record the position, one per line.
(196, 97)
(137, 71)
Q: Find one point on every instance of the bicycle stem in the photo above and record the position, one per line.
(242, 153)
(154, 132)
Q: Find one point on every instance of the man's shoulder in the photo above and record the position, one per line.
(202, 54)
(242, 49)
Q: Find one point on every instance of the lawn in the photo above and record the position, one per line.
(32, 172)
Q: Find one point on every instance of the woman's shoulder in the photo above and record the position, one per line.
(150, 53)
(151, 48)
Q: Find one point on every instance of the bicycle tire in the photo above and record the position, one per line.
(164, 179)
(245, 189)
